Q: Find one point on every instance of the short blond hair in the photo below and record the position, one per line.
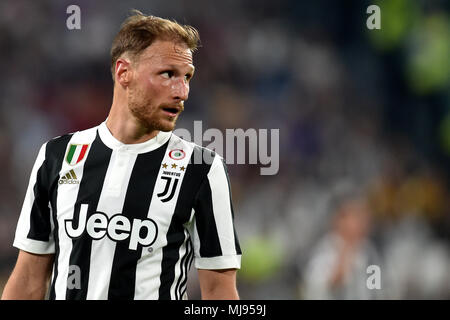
(139, 31)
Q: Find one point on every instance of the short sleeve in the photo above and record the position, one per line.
(34, 232)
(216, 245)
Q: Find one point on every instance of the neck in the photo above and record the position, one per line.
(124, 126)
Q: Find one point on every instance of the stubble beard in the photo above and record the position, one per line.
(149, 116)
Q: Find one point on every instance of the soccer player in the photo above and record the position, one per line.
(121, 210)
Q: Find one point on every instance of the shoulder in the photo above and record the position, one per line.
(58, 145)
(199, 155)
(203, 162)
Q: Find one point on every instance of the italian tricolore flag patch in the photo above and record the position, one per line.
(76, 153)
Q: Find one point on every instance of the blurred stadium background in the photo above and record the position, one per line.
(364, 112)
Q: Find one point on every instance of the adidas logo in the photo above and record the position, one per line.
(69, 178)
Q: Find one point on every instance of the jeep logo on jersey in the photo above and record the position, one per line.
(117, 228)
(76, 153)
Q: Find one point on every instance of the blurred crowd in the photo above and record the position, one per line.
(364, 120)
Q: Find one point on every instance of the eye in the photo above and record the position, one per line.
(167, 74)
(188, 77)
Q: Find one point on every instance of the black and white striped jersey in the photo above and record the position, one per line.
(127, 220)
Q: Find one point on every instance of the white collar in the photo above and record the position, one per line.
(111, 142)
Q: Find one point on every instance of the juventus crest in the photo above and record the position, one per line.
(169, 189)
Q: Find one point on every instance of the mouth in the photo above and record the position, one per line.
(171, 111)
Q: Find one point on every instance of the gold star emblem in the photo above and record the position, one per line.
(174, 166)
(182, 168)
(164, 166)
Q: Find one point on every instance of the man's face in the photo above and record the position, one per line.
(160, 84)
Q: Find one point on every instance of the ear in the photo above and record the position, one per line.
(123, 72)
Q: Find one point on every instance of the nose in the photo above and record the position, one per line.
(180, 89)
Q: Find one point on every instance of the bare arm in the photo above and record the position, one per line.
(30, 277)
(218, 284)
